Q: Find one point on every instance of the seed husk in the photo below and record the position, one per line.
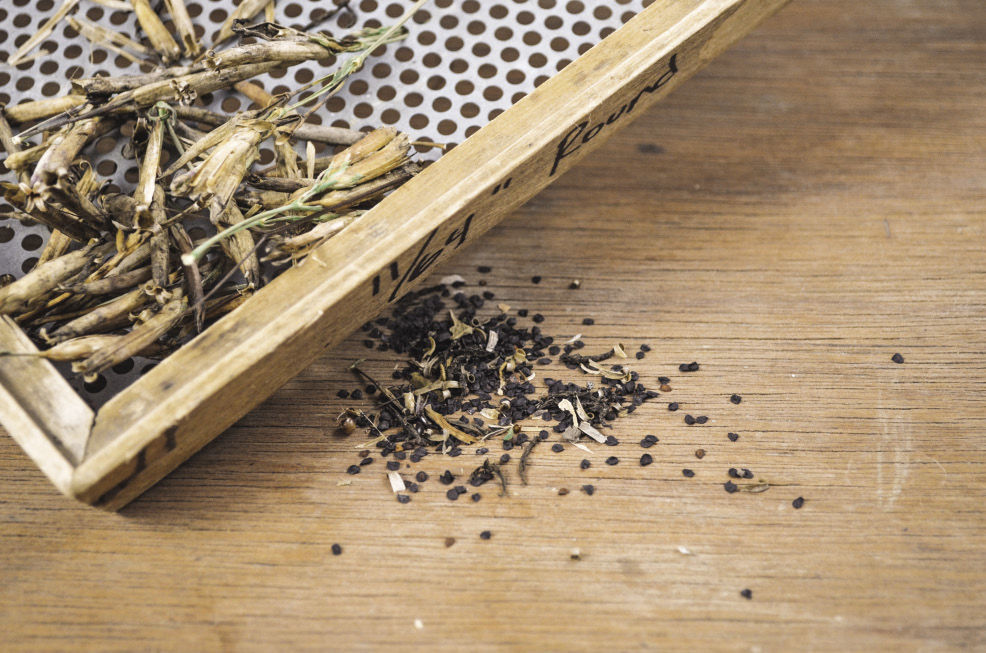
(43, 32)
(46, 277)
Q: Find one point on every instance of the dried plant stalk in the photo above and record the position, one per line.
(255, 93)
(160, 241)
(156, 32)
(71, 350)
(109, 39)
(43, 32)
(316, 133)
(59, 156)
(294, 247)
(110, 285)
(184, 26)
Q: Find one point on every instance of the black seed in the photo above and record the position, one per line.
(356, 394)
(612, 460)
(797, 503)
(701, 419)
(747, 594)
(535, 279)
(538, 318)
(897, 358)
(557, 448)
(640, 355)
(508, 445)
(353, 469)
(689, 420)
(646, 348)
(446, 478)
(733, 437)
(730, 487)
(646, 459)
(522, 312)
(393, 466)
(554, 350)
(366, 461)
(403, 498)
(421, 477)
(736, 399)
(461, 489)
(485, 535)
(452, 495)
(336, 549)
(544, 435)
(544, 361)
(589, 489)
(687, 473)
(369, 344)
(688, 367)
(611, 441)
(734, 473)
(585, 464)
(651, 438)
(646, 444)
(343, 394)
(574, 285)
(484, 269)
(412, 487)
(747, 474)
(673, 406)
(504, 459)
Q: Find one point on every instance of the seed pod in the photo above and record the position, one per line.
(294, 247)
(157, 33)
(36, 283)
(63, 149)
(46, 108)
(245, 11)
(160, 253)
(240, 247)
(73, 350)
(58, 243)
(307, 132)
(139, 338)
(110, 285)
(184, 26)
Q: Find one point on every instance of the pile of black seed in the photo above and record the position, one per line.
(449, 350)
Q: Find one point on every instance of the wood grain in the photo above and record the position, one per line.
(804, 208)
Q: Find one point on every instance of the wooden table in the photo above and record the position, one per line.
(809, 205)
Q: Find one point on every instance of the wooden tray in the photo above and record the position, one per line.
(106, 457)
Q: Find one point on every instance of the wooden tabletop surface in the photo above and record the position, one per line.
(809, 205)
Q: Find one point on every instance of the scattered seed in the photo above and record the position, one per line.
(736, 399)
(403, 498)
(897, 358)
(673, 406)
(646, 459)
(449, 541)
(797, 503)
(689, 420)
(536, 279)
(585, 464)
(476, 497)
(562, 491)
(421, 477)
(747, 594)
(485, 535)
(353, 469)
(557, 448)
(733, 437)
(730, 487)
(336, 549)
(688, 367)
(687, 473)
(589, 489)
(588, 321)
(611, 441)
(701, 419)
(700, 453)
(612, 460)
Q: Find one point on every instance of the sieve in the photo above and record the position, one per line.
(463, 66)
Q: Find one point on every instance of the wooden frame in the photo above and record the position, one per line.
(109, 457)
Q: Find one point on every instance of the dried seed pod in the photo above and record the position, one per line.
(44, 278)
(46, 108)
(240, 247)
(58, 243)
(110, 285)
(43, 32)
(109, 39)
(286, 248)
(59, 156)
(73, 350)
(184, 26)
(156, 32)
(160, 250)
(308, 132)
(134, 342)
(245, 11)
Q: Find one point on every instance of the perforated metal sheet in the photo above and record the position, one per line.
(463, 64)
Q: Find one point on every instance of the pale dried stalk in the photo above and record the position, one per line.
(19, 161)
(317, 133)
(11, 146)
(40, 109)
(147, 178)
(43, 32)
(44, 278)
(136, 340)
(184, 26)
(255, 93)
(116, 5)
(71, 350)
(156, 32)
